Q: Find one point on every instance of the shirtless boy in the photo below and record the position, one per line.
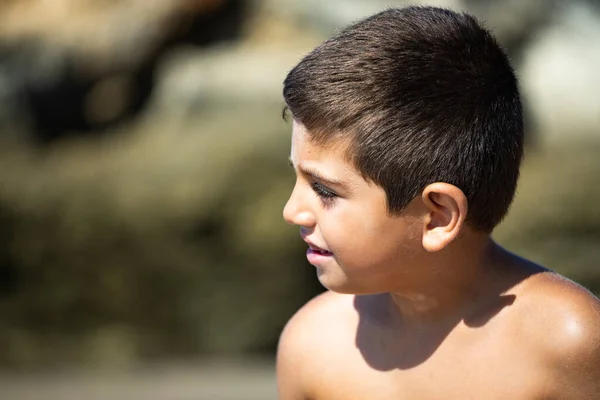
(407, 140)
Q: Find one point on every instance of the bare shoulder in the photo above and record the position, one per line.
(563, 305)
(317, 322)
(564, 319)
(308, 339)
(324, 306)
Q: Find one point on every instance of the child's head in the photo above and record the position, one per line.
(421, 95)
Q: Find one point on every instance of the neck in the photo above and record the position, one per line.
(452, 289)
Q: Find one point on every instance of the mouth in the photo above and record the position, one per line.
(315, 248)
(318, 250)
(318, 256)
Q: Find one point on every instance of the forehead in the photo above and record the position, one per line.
(329, 161)
(304, 149)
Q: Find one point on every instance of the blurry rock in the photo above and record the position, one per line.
(75, 66)
(171, 234)
(514, 22)
(189, 80)
(328, 16)
(13, 117)
(560, 76)
(100, 34)
(555, 220)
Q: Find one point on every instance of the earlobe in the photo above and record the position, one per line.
(446, 209)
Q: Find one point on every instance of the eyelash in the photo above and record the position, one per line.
(324, 194)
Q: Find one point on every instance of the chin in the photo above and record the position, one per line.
(340, 284)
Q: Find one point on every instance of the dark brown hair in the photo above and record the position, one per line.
(424, 95)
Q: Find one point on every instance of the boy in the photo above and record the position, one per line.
(407, 140)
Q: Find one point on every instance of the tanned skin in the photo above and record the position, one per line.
(420, 306)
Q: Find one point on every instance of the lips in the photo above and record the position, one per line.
(322, 252)
(318, 250)
(315, 248)
(317, 258)
(317, 255)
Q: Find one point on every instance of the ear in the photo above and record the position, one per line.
(446, 210)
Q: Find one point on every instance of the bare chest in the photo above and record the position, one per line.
(481, 372)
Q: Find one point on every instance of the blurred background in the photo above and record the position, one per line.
(143, 171)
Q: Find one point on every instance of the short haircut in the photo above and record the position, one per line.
(423, 94)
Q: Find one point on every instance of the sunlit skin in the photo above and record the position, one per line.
(420, 305)
(408, 256)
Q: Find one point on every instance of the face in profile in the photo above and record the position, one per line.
(354, 243)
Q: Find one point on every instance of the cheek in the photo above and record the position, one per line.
(359, 238)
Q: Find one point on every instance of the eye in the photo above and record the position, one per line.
(323, 193)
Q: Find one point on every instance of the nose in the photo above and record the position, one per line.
(297, 210)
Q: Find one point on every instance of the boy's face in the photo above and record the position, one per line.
(353, 242)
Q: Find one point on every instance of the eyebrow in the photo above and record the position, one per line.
(317, 176)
